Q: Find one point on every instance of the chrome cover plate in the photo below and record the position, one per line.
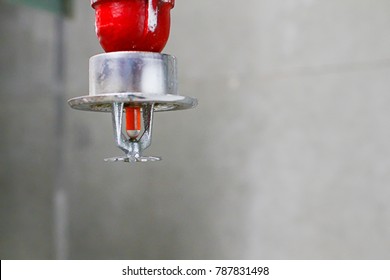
(103, 103)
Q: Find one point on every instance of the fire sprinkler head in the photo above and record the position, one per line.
(121, 80)
(133, 82)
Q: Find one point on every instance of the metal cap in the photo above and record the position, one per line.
(132, 78)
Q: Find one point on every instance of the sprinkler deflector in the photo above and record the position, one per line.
(133, 77)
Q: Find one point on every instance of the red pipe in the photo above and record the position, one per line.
(133, 25)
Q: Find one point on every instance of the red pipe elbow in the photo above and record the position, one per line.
(133, 25)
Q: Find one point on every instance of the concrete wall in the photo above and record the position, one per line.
(286, 157)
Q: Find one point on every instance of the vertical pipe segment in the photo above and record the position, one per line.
(133, 25)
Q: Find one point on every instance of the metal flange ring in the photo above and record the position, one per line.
(103, 103)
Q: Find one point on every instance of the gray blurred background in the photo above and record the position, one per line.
(286, 157)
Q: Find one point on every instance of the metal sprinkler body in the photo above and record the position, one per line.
(132, 79)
